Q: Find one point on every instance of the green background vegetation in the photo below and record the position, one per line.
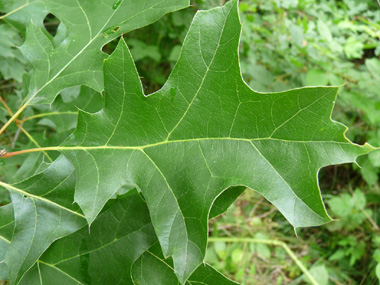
(285, 44)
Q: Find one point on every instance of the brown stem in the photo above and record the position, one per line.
(6, 106)
(5, 154)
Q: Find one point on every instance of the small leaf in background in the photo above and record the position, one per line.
(237, 255)
(174, 54)
(320, 273)
(324, 31)
(342, 205)
(141, 50)
(378, 271)
(287, 3)
(353, 48)
(261, 77)
(253, 269)
(359, 199)
(262, 249)
(316, 77)
(296, 33)
(357, 252)
(373, 65)
(340, 253)
(240, 274)
(376, 255)
(369, 172)
(335, 80)
(220, 249)
(70, 94)
(374, 158)
(12, 63)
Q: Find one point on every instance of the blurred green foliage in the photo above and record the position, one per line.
(284, 44)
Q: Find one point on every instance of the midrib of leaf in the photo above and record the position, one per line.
(10, 187)
(141, 148)
(26, 104)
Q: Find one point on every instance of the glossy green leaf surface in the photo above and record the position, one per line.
(12, 63)
(74, 56)
(111, 253)
(150, 269)
(43, 213)
(103, 256)
(62, 114)
(203, 132)
(6, 232)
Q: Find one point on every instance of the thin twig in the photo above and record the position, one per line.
(6, 106)
(33, 140)
(19, 125)
(14, 140)
(256, 206)
(7, 85)
(13, 118)
(267, 213)
(372, 222)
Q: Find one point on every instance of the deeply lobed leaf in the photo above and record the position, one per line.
(112, 253)
(74, 56)
(202, 133)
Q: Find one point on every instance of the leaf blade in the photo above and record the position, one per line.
(216, 130)
(39, 221)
